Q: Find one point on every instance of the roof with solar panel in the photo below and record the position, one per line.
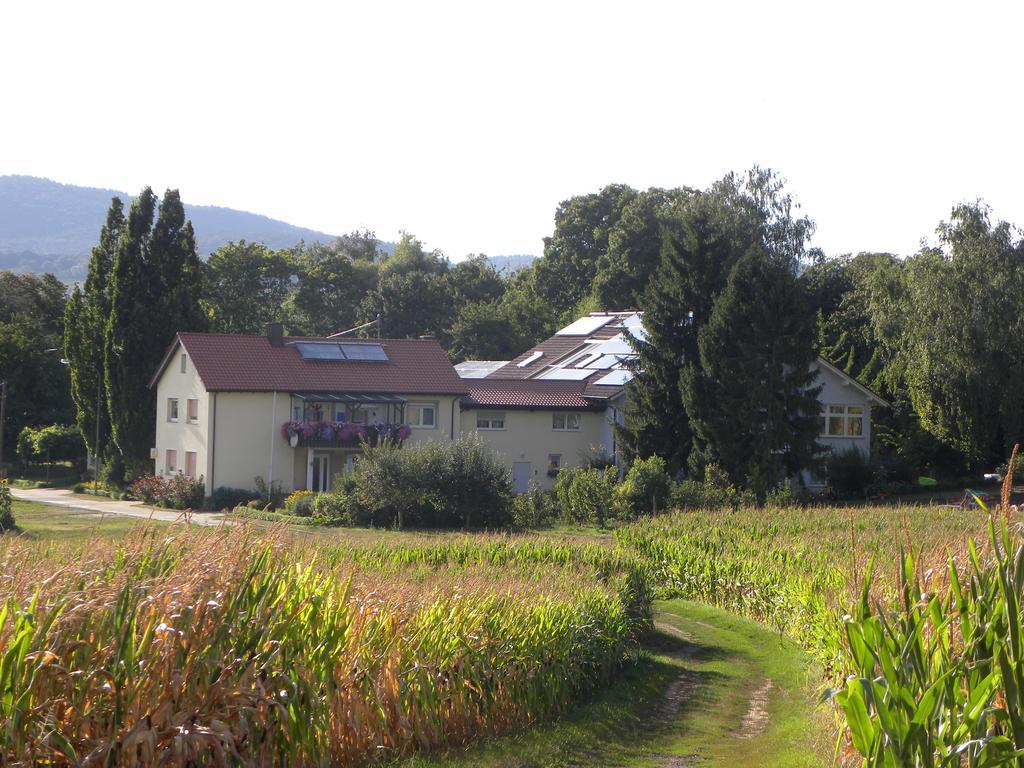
(230, 362)
(589, 356)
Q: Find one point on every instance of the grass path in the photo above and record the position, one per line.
(712, 690)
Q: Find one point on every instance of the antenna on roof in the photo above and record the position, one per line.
(358, 328)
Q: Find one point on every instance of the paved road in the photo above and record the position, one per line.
(63, 498)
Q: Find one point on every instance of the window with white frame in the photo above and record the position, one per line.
(421, 415)
(171, 461)
(184, 363)
(487, 421)
(192, 406)
(565, 422)
(190, 464)
(842, 421)
(340, 414)
(172, 409)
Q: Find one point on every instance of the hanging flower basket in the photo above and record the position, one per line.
(345, 434)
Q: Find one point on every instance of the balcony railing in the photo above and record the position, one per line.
(330, 434)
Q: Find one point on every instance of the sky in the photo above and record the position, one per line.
(467, 123)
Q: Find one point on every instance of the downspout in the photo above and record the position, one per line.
(455, 401)
(273, 431)
(213, 442)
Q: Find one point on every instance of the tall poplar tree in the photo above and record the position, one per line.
(85, 323)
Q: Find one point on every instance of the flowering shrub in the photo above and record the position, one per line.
(299, 503)
(345, 432)
(180, 492)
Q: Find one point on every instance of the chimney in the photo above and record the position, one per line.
(275, 333)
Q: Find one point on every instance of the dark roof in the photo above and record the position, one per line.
(527, 393)
(233, 363)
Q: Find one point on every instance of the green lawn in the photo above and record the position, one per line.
(48, 521)
(685, 702)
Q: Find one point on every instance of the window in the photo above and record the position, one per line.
(340, 414)
(490, 421)
(565, 422)
(193, 411)
(184, 363)
(172, 460)
(554, 464)
(842, 421)
(172, 409)
(421, 415)
(190, 464)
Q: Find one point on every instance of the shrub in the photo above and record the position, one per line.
(645, 489)
(849, 473)
(713, 492)
(433, 485)
(52, 443)
(180, 492)
(299, 503)
(332, 508)
(533, 509)
(269, 496)
(229, 498)
(781, 497)
(6, 508)
(586, 495)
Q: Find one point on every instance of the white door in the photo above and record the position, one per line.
(321, 480)
(520, 476)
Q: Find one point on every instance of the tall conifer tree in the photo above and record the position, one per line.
(155, 292)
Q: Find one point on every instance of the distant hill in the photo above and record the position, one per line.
(511, 263)
(46, 226)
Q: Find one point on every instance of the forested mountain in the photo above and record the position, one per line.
(46, 226)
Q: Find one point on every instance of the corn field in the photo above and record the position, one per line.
(247, 647)
(228, 647)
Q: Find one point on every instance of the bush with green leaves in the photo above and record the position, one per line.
(781, 497)
(431, 485)
(535, 508)
(849, 473)
(714, 491)
(586, 495)
(229, 498)
(645, 489)
(6, 508)
(55, 442)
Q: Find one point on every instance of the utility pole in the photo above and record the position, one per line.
(3, 408)
(96, 444)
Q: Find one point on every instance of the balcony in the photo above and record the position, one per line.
(329, 434)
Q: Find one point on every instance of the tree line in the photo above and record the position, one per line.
(737, 307)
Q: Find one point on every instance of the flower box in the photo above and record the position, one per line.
(330, 434)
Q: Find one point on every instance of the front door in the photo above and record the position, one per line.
(520, 476)
(321, 480)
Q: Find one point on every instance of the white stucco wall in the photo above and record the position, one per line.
(182, 436)
(528, 437)
(838, 390)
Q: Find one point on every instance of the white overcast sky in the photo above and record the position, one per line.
(467, 123)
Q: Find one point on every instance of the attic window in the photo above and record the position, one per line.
(331, 350)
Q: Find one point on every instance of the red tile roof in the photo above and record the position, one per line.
(236, 363)
(527, 393)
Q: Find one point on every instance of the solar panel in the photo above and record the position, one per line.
(364, 352)
(615, 378)
(584, 326)
(319, 351)
(566, 374)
